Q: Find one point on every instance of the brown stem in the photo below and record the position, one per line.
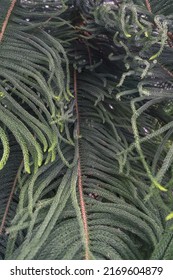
(89, 55)
(166, 70)
(4, 25)
(9, 201)
(147, 2)
(80, 185)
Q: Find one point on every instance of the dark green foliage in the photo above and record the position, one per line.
(86, 130)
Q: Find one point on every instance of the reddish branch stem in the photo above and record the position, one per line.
(166, 70)
(9, 201)
(148, 5)
(80, 185)
(89, 55)
(4, 25)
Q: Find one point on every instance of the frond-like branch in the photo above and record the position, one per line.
(86, 106)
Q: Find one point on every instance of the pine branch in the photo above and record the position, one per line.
(92, 208)
(4, 25)
(80, 185)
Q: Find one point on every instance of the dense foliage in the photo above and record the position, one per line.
(86, 129)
